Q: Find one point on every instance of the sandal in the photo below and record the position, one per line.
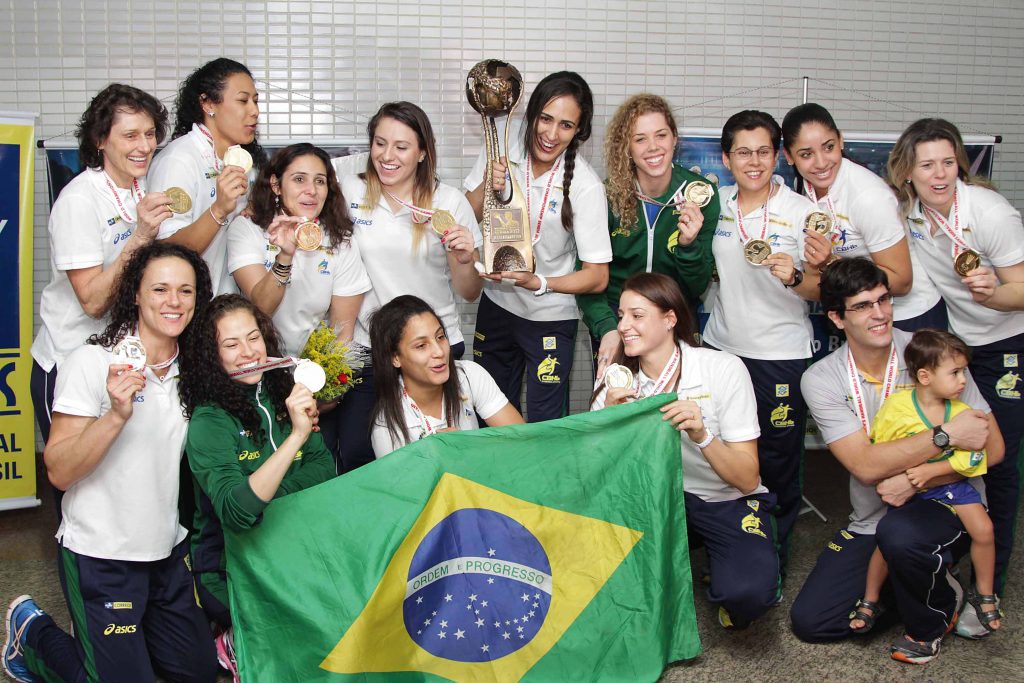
(869, 618)
(985, 617)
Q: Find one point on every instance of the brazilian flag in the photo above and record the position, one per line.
(552, 552)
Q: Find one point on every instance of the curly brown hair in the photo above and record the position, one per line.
(97, 120)
(124, 312)
(204, 380)
(334, 217)
(621, 183)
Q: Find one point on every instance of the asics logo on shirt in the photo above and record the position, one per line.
(120, 237)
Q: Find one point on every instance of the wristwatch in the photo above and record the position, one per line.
(940, 438)
(798, 277)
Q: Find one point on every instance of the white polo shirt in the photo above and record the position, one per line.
(317, 276)
(992, 227)
(86, 230)
(825, 387)
(556, 251)
(127, 507)
(752, 313)
(719, 383)
(479, 395)
(385, 242)
(188, 162)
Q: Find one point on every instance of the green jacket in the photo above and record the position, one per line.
(690, 266)
(222, 455)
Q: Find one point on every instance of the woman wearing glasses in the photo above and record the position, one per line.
(758, 309)
(971, 241)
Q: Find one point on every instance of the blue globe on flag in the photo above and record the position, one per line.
(479, 587)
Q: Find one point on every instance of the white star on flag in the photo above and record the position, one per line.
(441, 635)
(506, 635)
(479, 622)
(447, 597)
(483, 604)
(525, 597)
(444, 624)
(485, 648)
(490, 552)
(460, 634)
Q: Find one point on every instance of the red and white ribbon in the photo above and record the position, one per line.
(888, 384)
(955, 232)
(666, 374)
(547, 192)
(136, 192)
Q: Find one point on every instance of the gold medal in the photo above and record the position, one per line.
(820, 222)
(180, 201)
(237, 156)
(442, 221)
(756, 251)
(308, 236)
(618, 377)
(698, 193)
(966, 261)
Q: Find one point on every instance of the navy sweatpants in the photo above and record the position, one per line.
(131, 619)
(997, 370)
(742, 557)
(918, 541)
(936, 318)
(507, 346)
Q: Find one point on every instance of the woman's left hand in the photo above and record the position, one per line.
(817, 248)
(691, 220)
(686, 416)
(781, 266)
(982, 283)
(459, 241)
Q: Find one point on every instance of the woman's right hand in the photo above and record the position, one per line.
(232, 183)
(281, 233)
(817, 248)
(302, 410)
(499, 169)
(619, 395)
(153, 210)
(122, 385)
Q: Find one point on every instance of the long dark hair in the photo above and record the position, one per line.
(387, 326)
(124, 312)
(97, 120)
(204, 380)
(795, 118)
(334, 218)
(664, 293)
(209, 80)
(551, 86)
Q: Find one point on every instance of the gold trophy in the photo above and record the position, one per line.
(494, 88)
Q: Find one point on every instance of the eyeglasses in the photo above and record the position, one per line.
(744, 154)
(883, 301)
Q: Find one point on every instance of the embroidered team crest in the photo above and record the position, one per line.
(781, 390)
(1006, 386)
(780, 416)
(754, 505)
(752, 525)
(546, 371)
(550, 343)
(1009, 360)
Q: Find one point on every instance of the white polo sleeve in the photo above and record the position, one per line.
(486, 397)
(81, 388)
(76, 241)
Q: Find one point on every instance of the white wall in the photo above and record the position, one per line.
(325, 67)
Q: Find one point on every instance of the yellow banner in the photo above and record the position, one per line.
(17, 427)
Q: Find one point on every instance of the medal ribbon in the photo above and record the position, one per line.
(829, 206)
(677, 197)
(136, 191)
(955, 232)
(271, 364)
(888, 384)
(216, 163)
(428, 429)
(544, 202)
(664, 377)
(744, 237)
(153, 366)
(417, 212)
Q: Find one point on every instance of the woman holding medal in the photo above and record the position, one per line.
(679, 209)
(102, 217)
(726, 504)
(204, 169)
(857, 215)
(269, 415)
(415, 235)
(115, 449)
(527, 321)
(421, 388)
(971, 242)
(759, 310)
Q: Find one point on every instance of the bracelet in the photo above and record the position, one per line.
(543, 289)
(282, 281)
(216, 220)
(707, 440)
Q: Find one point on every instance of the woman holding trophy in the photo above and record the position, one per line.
(417, 236)
(527, 318)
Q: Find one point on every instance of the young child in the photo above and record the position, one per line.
(937, 362)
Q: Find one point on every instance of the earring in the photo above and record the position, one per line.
(211, 114)
(908, 181)
(277, 202)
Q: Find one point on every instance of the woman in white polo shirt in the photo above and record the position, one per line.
(392, 205)
(759, 310)
(726, 504)
(861, 214)
(217, 108)
(971, 242)
(99, 220)
(421, 388)
(115, 449)
(530, 326)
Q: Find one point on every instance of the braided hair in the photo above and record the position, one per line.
(560, 84)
